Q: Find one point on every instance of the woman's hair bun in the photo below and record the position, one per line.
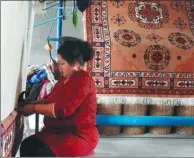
(86, 51)
(74, 49)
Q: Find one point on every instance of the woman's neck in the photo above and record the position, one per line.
(72, 72)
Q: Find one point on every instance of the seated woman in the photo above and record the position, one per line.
(69, 110)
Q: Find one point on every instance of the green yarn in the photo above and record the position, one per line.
(75, 17)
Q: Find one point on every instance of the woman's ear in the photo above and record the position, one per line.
(75, 64)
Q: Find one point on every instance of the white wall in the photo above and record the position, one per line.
(14, 17)
(40, 34)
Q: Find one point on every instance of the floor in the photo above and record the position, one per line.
(144, 147)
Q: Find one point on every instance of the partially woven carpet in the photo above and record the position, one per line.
(144, 51)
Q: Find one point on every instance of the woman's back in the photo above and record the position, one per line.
(80, 84)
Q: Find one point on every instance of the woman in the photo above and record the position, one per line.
(69, 110)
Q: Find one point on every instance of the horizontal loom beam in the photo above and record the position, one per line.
(127, 120)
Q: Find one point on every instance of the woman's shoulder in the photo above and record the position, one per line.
(60, 81)
(85, 75)
(84, 79)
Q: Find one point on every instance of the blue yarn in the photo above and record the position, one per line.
(43, 75)
(36, 78)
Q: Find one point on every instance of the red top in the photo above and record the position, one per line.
(75, 111)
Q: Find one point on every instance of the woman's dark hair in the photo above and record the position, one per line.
(76, 50)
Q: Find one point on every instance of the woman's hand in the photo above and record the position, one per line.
(26, 110)
(22, 104)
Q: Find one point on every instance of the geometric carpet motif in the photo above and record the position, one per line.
(142, 48)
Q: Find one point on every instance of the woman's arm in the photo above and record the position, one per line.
(26, 102)
(66, 105)
(77, 92)
(44, 106)
(42, 101)
(44, 109)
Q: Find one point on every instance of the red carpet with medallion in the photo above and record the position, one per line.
(142, 48)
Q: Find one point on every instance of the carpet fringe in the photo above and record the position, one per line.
(159, 101)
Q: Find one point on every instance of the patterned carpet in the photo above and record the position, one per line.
(142, 48)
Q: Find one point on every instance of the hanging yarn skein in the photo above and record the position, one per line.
(75, 16)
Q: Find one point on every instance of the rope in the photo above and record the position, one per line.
(51, 2)
(64, 13)
(50, 6)
(52, 25)
(48, 42)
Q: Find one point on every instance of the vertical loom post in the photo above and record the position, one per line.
(36, 123)
(59, 23)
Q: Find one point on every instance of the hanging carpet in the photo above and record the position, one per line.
(144, 51)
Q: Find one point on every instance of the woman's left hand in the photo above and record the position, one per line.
(27, 110)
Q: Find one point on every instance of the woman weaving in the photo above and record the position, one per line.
(69, 110)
